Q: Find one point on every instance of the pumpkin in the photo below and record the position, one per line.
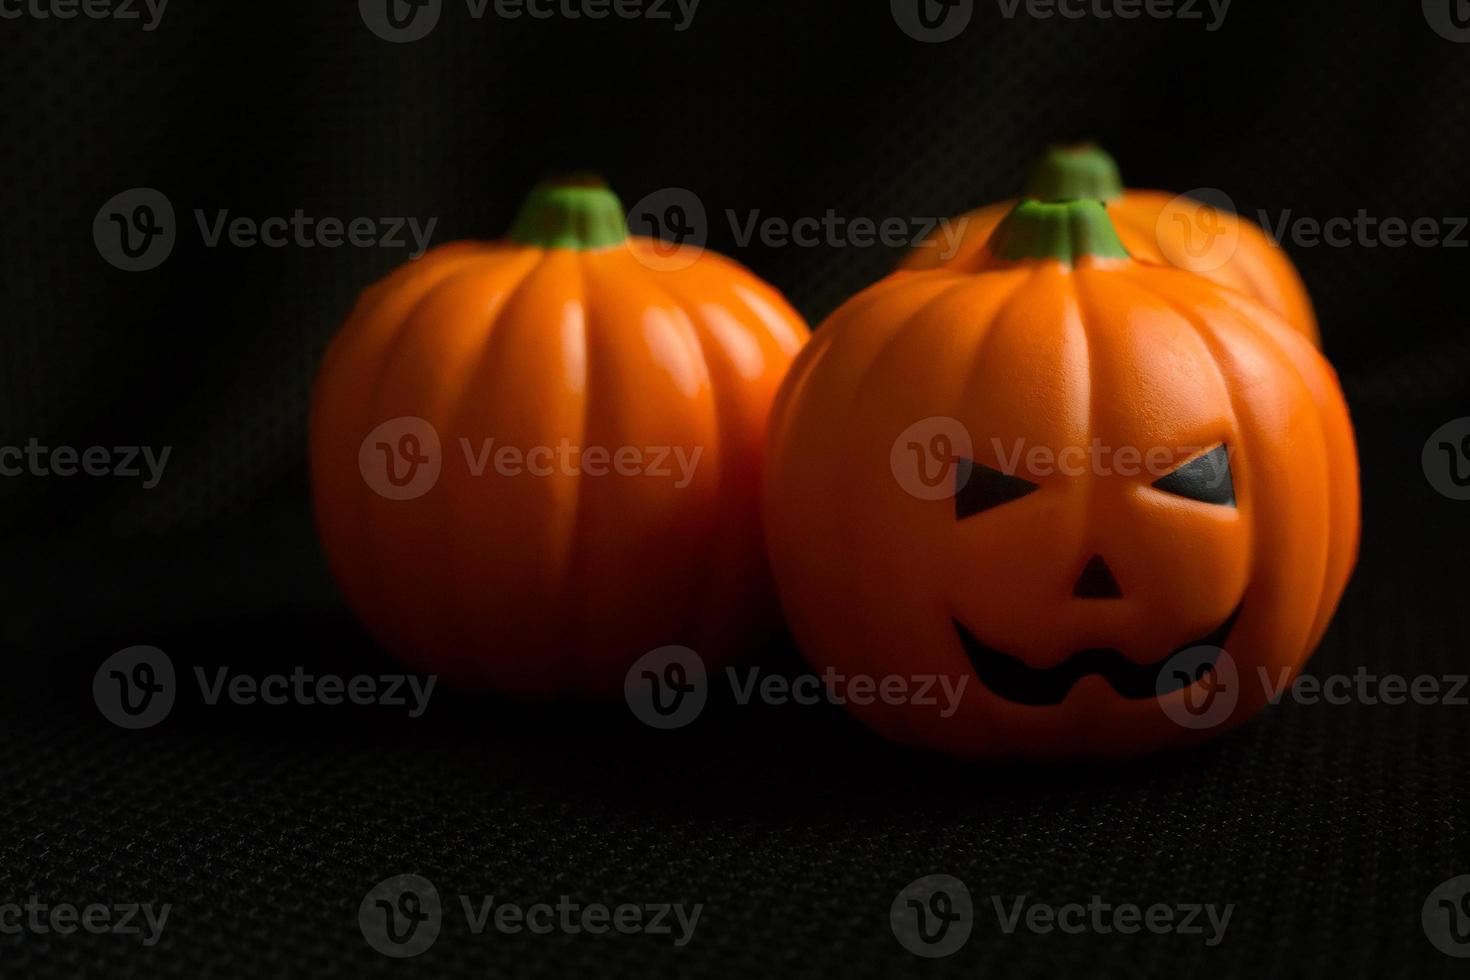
(1053, 478)
(535, 460)
(1155, 226)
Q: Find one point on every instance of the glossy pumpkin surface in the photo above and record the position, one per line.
(535, 460)
(1155, 226)
(1066, 481)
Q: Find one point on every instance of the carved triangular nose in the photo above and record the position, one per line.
(1097, 582)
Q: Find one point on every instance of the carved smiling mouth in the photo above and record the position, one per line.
(1012, 679)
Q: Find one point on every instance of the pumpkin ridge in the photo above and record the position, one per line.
(896, 333)
(1261, 268)
(699, 612)
(753, 302)
(1086, 315)
(971, 245)
(471, 271)
(485, 358)
(1145, 280)
(1001, 313)
(857, 305)
(793, 387)
(347, 412)
(398, 331)
(361, 314)
(1330, 593)
(761, 302)
(1254, 262)
(1207, 335)
(1147, 284)
(573, 541)
(1139, 229)
(866, 373)
(979, 346)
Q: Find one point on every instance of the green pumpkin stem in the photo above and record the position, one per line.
(1067, 231)
(1074, 172)
(572, 212)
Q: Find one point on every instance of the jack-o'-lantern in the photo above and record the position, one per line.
(1115, 504)
(1155, 226)
(535, 460)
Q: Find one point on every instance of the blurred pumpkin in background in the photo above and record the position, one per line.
(536, 459)
(1155, 226)
(1108, 501)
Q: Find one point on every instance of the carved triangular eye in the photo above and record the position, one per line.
(1205, 478)
(978, 487)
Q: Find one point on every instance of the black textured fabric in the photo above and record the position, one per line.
(1326, 826)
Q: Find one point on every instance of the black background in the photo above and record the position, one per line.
(1326, 826)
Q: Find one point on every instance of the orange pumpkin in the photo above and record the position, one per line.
(535, 460)
(1155, 226)
(1060, 481)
